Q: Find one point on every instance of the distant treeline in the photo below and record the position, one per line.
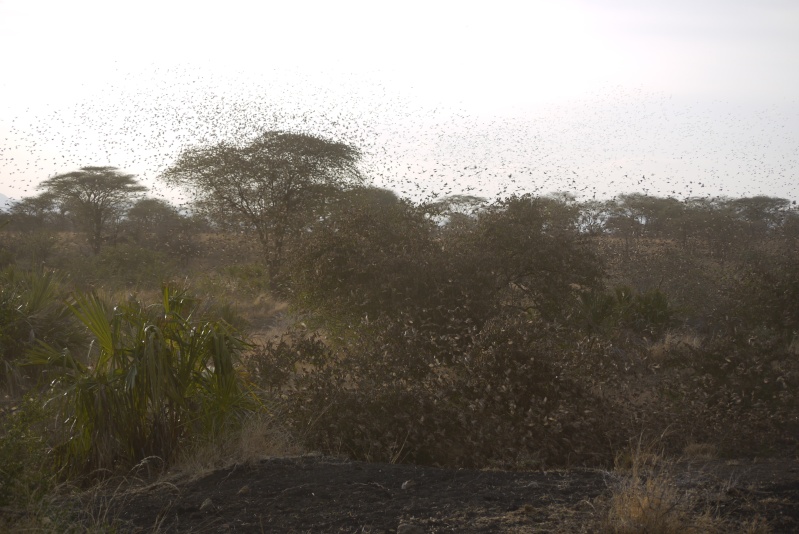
(714, 221)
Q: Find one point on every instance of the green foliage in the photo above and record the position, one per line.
(26, 473)
(6, 258)
(644, 313)
(34, 249)
(443, 340)
(651, 311)
(37, 213)
(597, 311)
(158, 377)
(458, 333)
(31, 311)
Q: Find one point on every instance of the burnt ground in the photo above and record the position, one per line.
(321, 494)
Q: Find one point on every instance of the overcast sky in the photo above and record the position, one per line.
(670, 97)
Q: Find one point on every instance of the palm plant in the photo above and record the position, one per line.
(156, 378)
(31, 310)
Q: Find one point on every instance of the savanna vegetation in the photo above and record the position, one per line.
(520, 332)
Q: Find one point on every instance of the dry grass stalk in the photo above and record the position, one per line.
(647, 499)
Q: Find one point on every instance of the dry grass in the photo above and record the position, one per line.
(68, 509)
(260, 437)
(646, 497)
(700, 451)
(793, 348)
(654, 504)
(673, 342)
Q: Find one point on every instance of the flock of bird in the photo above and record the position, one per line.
(617, 141)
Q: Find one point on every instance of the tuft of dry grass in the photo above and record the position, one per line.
(654, 504)
(646, 497)
(758, 525)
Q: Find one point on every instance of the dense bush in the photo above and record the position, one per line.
(770, 294)
(31, 249)
(517, 333)
(155, 225)
(525, 393)
(370, 256)
(522, 392)
(374, 259)
(739, 394)
(646, 313)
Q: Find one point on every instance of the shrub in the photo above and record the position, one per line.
(770, 295)
(248, 277)
(368, 258)
(158, 377)
(519, 391)
(32, 249)
(646, 313)
(274, 366)
(740, 394)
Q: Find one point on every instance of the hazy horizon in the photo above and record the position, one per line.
(669, 99)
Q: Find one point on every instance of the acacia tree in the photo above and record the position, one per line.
(533, 252)
(34, 213)
(272, 186)
(94, 196)
(156, 224)
(371, 256)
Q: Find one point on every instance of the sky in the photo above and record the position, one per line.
(665, 97)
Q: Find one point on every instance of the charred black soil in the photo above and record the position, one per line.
(321, 494)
